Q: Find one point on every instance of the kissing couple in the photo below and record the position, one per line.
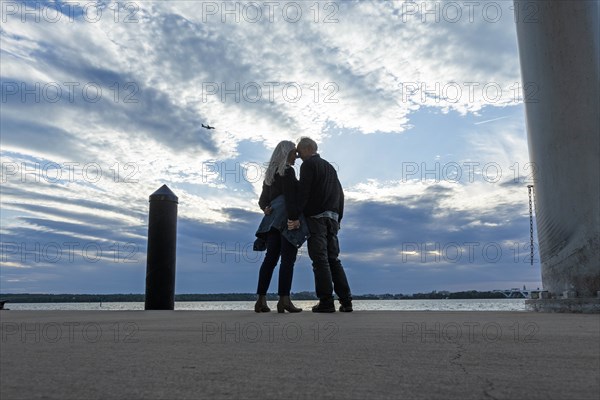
(310, 208)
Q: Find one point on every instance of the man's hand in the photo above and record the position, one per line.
(268, 210)
(293, 224)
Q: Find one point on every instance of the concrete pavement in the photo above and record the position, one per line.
(243, 355)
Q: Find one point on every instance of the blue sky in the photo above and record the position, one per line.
(416, 104)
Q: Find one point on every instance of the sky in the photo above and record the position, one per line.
(418, 105)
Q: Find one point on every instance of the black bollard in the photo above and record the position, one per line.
(162, 245)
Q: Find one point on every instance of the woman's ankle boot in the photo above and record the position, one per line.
(285, 304)
(261, 304)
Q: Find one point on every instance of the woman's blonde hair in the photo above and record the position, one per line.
(278, 160)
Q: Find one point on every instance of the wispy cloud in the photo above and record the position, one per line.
(489, 120)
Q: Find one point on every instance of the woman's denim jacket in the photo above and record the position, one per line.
(278, 220)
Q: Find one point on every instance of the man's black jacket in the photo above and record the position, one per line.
(320, 188)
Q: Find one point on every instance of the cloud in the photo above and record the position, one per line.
(97, 114)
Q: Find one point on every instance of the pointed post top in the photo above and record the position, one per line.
(164, 194)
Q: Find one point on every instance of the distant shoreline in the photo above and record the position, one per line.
(133, 297)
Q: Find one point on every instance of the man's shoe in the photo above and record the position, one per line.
(324, 307)
(346, 307)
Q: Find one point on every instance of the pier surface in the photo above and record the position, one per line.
(243, 355)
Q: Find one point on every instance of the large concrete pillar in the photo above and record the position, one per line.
(559, 51)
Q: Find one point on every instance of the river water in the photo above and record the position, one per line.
(358, 305)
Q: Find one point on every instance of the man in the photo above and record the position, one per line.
(322, 200)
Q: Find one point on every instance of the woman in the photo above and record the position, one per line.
(278, 200)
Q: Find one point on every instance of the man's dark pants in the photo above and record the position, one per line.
(324, 249)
